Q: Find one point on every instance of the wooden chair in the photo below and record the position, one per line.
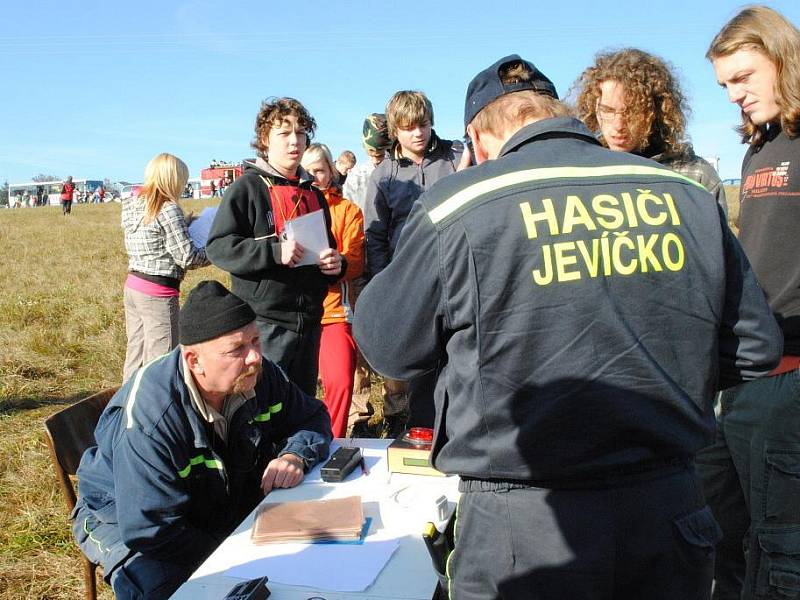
(68, 433)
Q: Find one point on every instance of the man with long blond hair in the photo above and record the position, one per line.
(160, 252)
(634, 102)
(580, 305)
(751, 474)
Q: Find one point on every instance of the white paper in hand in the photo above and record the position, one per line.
(310, 232)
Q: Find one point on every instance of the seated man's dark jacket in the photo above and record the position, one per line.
(581, 305)
(169, 483)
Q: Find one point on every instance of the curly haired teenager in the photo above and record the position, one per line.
(268, 272)
(634, 102)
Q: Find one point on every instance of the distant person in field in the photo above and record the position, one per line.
(337, 351)
(221, 186)
(751, 474)
(345, 162)
(634, 102)
(189, 447)
(159, 254)
(213, 189)
(67, 195)
(283, 283)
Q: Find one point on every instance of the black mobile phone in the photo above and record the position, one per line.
(255, 589)
(341, 464)
(468, 145)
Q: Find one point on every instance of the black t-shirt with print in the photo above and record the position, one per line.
(769, 222)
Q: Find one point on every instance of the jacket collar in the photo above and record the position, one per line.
(194, 419)
(557, 127)
(685, 154)
(434, 146)
(267, 169)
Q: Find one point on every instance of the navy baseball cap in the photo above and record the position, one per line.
(487, 86)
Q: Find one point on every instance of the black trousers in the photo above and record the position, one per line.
(296, 353)
(648, 538)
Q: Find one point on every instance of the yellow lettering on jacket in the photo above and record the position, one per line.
(618, 250)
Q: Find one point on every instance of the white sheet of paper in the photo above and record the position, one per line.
(333, 567)
(310, 231)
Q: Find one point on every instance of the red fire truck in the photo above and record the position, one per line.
(216, 171)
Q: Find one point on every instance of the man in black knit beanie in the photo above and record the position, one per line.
(188, 447)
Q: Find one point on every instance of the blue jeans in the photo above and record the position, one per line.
(132, 575)
(142, 578)
(751, 479)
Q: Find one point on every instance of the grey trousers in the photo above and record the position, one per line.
(151, 325)
(647, 539)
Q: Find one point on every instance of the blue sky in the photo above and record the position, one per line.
(96, 89)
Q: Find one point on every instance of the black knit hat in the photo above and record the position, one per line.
(487, 86)
(210, 311)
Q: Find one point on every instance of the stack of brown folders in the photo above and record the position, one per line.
(309, 521)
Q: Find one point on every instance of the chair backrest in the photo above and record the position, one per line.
(69, 433)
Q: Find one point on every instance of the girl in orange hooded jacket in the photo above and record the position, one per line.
(337, 352)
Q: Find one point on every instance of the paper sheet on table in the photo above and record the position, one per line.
(310, 231)
(201, 226)
(332, 567)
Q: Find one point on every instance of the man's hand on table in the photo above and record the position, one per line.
(283, 472)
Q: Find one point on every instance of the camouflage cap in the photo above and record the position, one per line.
(375, 134)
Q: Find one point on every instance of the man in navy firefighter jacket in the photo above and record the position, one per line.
(189, 446)
(581, 308)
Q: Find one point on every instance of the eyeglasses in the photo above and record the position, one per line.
(608, 114)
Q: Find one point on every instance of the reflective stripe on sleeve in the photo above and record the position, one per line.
(209, 463)
(265, 416)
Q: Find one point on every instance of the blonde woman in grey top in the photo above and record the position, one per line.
(159, 254)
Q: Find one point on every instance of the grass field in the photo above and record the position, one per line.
(62, 338)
